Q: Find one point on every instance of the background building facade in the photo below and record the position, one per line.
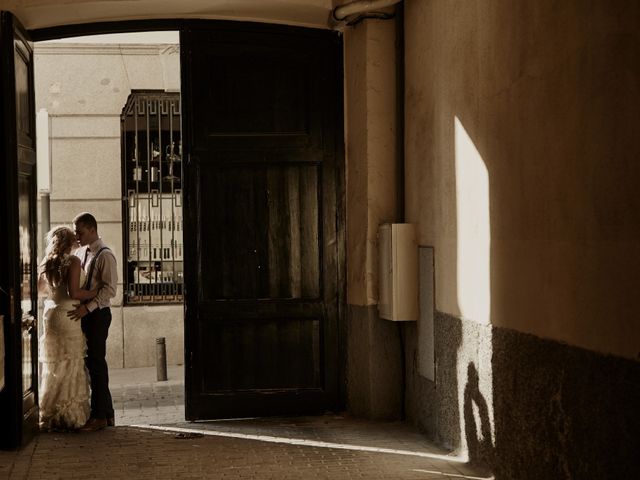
(83, 87)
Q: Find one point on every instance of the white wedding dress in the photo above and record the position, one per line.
(64, 387)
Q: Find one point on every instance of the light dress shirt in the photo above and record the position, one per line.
(105, 274)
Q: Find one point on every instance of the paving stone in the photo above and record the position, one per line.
(321, 447)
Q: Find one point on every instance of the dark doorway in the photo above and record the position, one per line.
(18, 301)
(262, 220)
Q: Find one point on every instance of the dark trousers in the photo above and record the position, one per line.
(95, 327)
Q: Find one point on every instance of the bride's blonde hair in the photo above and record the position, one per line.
(55, 264)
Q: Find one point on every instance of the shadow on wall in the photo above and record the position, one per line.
(545, 98)
(434, 405)
(531, 408)
(477, 423)
(520, 405)
(558, 151)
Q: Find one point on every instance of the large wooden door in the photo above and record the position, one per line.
(263, 229)
(18, 307)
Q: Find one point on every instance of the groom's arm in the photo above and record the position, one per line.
(107, 278)
(73, 283)
(106, 275)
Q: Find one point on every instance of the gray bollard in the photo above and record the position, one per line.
(161, 359)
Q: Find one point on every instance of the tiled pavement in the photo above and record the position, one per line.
(139, 399)
(141, 447)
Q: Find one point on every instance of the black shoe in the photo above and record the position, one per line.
(111, 422)
(93, 425)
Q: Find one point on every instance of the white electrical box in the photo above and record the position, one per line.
(398, 272)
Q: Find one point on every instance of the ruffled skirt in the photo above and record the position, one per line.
(64, 387)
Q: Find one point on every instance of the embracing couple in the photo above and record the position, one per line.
(79, 276)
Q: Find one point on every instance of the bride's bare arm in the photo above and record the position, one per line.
(73, 284)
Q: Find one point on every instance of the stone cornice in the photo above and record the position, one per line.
(104, 49)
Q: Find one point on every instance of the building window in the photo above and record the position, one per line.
(152, 212)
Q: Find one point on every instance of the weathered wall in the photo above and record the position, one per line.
(84, 88)
(527, 407)
(521, 172)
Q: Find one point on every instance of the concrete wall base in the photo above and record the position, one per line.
(527, 407)
(133, 333)
(374, 370)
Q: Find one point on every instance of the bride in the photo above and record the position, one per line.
(64, 388)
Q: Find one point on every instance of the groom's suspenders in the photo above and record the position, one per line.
(87, 284)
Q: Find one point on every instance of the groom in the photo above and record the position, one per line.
(99, 263)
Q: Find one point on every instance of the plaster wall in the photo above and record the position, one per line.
(374, 369)
(541, 99)
(370, 151)
(84, 88)
(520, 162)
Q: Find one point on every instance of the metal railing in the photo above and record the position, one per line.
(152, 168)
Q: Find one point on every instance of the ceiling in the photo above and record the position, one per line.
(35, 14)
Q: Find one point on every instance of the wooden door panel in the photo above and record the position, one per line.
(263, 181)
(277, 353)
(241, 85)
(262, 94)
(27, 227)
(18, 299)
(269, 308)
(266, 226)
(234, 223)
(27, 304)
